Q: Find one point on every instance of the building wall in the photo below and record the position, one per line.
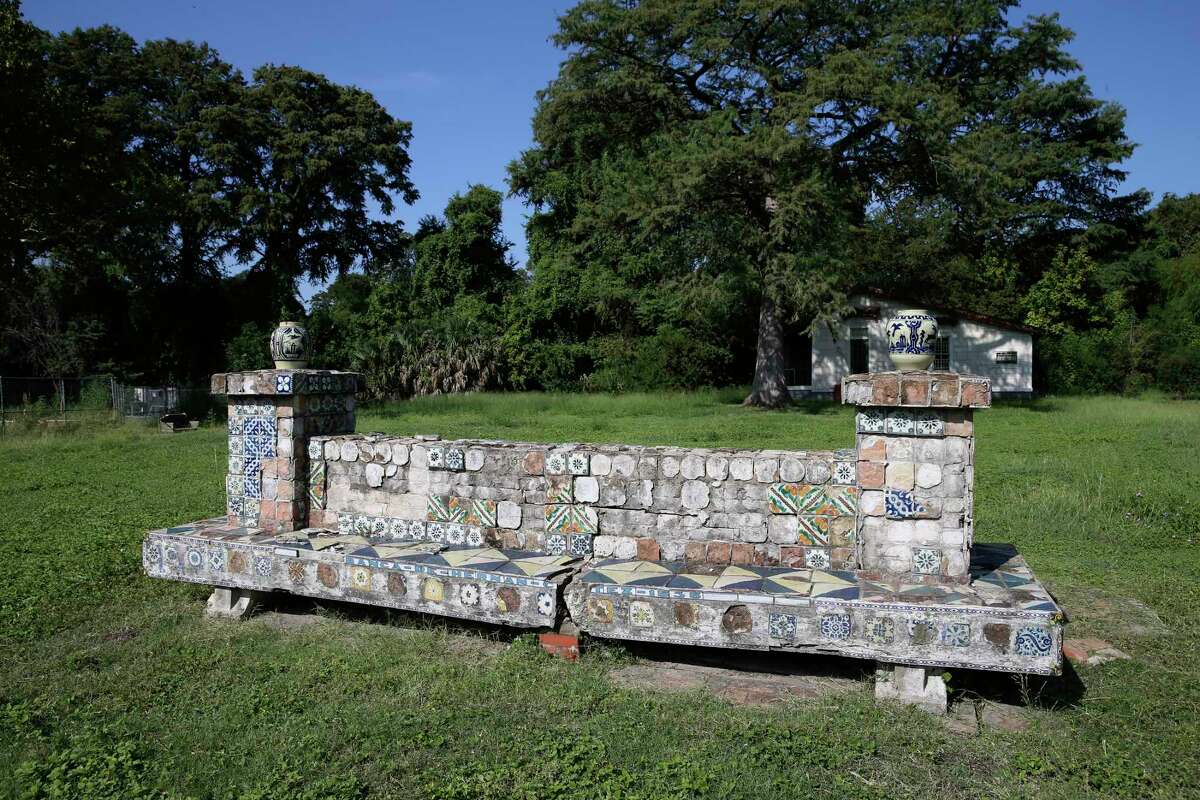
(973, 348)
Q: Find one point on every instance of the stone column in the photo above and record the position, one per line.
(916, 471)
(272, 415)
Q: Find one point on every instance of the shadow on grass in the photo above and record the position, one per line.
(1050, 692)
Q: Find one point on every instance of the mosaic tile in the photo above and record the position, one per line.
(440, 509)
(784, 498)
(556, 463)
(235, 485)
(316, 449)
(235, 426)
(900, 422)
(433, 590)
(234, 506)
(600, 609)
(437, 457)
(835, 626)
(235, 445)
(871, 420)
(398, 529)
(560, 489)
(929, 423)
(844, 473)
(812, 530)
(927, 561)
(455, 459)
(556, 543)
(194, 558)
(564, 518)
(816, 558)
(435, 531)
(316, 483)
(955, 634)
(283, 383)
(881, 630)
(468, 594)
(236, 465)
(641, 614)
(900, 504)
(379, 527)
(418, 529)
(842, 500)
(1033, 641)
(545, 604)
(362, 525)
(579, 544)
(252, 485)
(782, 626)
(475, 537)
(455, 533)
(360, 579)
(263, 566)
(577, 463)
(345, 522)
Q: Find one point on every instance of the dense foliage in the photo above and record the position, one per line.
(707, 179)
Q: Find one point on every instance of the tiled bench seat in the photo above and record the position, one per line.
(1002, 620)
(510, 587)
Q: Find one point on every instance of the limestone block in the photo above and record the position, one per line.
(418, 456)
(508, 514)
(692, 466)
(955, 537)
(647, 467)
(928, 475)
(671, 550)
(603, 546)
(285, 447)
(399, 454)
(870, 503)
(349, 450)
(741, 468)
(914, 686)
(624, 465)
(612, 492)
(902, 531)
(374, 474)
(625, 547)
(670, 466)
(900, 475)
(587, 490)
(791, 470)
(955, 448)
(783, 529)
(754, 533)
(475, 459)
(716, 467)
(927, 531)
(333, 450)
(601, 464)
(817, 472)
(766, 470)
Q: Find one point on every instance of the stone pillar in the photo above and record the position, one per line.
(272, 415)
(914, 686)
(916, 471)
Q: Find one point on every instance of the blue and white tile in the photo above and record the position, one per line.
(927, 561)
(871, 420)
(901, 422)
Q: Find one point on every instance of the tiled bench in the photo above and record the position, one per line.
(1002, 620)
(509, 587)
(865, 552)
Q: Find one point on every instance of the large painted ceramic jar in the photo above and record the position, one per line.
(289, 346)
(911, 334)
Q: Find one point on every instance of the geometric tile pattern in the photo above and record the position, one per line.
(926, 561)
(252, 430)
(813, 530)
(908, 422)
(444, 508)
(804, 498)
(566, 518)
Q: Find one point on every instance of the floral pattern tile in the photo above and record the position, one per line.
(782, 626)
(1033, 641)
(836, 626)
(927, 561)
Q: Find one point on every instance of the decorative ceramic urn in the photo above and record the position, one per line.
(289, 346)
(911, 334)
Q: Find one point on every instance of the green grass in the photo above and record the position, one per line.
(112, 685)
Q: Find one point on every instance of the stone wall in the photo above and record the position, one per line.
(764, 507)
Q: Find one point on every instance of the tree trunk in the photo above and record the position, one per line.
(770, 383)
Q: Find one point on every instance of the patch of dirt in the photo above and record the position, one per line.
(1118, 616)
(972, 717)
(122, 634)
(737, 687)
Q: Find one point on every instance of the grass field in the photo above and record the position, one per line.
(112, 685)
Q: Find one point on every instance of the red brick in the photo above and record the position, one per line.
(885, 390)
(871, 474)
(560, 644)
(535, 462)
(647, 549)
(914, 390)
(945, 392)
(741, 553)
(693, 552)
(1075, 650)
(791, 556)
(873, 448)
(718, 552)
(976, 394)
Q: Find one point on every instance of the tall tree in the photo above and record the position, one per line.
(465, 254)
(311, 158)
(780, 126)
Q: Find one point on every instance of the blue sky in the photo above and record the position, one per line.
(465, 73)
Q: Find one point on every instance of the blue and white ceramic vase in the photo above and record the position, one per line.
(911, 334)
(289, 346)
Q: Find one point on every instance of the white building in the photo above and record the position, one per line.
(966, 343)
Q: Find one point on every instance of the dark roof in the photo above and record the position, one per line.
(957, 312)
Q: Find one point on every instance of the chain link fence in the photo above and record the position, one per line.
(28, 403)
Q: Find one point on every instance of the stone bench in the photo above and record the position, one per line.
(866, 551)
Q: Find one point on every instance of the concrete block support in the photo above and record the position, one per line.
(913, 686)
(232, 603)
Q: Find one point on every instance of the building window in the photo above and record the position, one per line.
(941, 354)
(1006, 356)
(859, 350)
